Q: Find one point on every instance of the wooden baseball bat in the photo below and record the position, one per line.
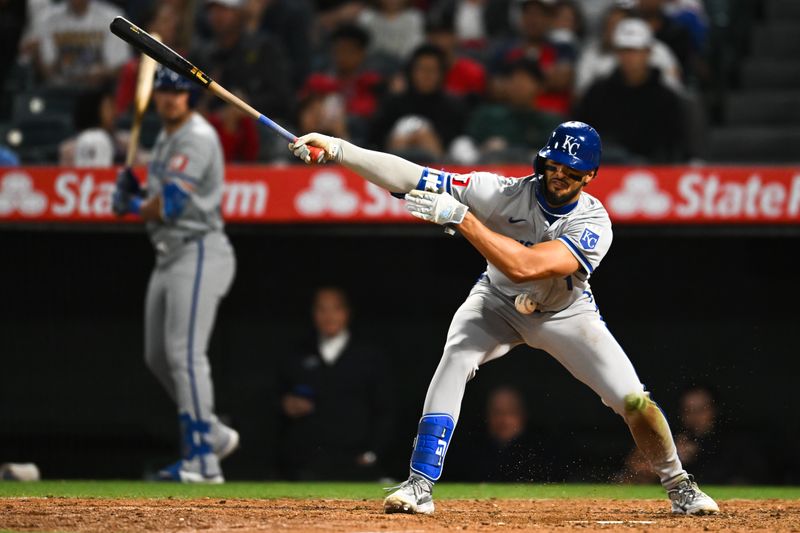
(144, 88)
(144, 42)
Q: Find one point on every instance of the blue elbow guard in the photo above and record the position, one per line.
(430, 446)
(174, 198)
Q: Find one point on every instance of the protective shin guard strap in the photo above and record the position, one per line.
(430, 446)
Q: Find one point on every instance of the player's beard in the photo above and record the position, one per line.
(173, 121)
(556, 199)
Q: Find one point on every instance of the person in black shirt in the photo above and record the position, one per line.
(336, 400)
(255, 64)
(633, 109)
(423, 120)
(504, 451)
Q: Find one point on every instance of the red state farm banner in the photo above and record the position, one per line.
(651, 195)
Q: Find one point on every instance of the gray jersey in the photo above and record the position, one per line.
(515, 208)
(192, 154)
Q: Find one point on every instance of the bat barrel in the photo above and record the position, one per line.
(145, 43)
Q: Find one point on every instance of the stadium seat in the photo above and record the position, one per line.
(759, 73)
(44, 102)
(36, 139)
(783, 9)
(753, 144)
(763, 108)
(19, 78)
(778, 39)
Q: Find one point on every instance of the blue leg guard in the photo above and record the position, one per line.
(194, 435)
(430, 446)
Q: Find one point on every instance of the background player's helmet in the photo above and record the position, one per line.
(166, 79)
(574, 144)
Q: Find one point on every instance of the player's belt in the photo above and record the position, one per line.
(171, 244)
(510, 299)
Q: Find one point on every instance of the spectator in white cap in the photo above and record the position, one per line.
(636, 113)
(599, 59)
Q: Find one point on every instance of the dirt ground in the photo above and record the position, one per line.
(362, 516)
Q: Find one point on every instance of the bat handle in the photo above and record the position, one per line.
(316, 153)
(317, 156)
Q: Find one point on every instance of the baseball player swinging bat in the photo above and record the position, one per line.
(144, 89)
(145, 43)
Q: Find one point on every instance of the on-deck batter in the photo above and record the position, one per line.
(542, 237)
(194, 269)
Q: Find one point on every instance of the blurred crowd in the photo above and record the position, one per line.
(333, 371)
(438, 81)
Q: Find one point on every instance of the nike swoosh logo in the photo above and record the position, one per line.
(513, 220)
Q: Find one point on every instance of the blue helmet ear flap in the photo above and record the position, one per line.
(538, 164)
(194, 97)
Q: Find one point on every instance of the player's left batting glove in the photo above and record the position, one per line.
(439, 208)
(128, 182)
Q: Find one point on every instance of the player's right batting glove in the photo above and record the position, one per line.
(439, 208)
(331, 148)
(127, 193)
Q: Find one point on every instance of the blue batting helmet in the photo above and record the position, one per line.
(574, 144)
(169, 80)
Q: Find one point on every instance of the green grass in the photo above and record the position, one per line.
(139, 489)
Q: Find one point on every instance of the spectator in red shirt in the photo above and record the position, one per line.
(556, 60)
(321, 107)
(465, 77)
(237, 132)
(359, 85)
(164, 21)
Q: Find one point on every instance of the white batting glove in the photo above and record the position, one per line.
(331, 148)
(439, 208)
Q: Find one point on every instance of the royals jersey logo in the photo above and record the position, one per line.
(589, 239)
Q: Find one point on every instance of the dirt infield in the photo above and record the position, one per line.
(215, 515)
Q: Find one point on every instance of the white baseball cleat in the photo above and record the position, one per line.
(189, 472)
(414, 496)
(227, 444)
(688, 499)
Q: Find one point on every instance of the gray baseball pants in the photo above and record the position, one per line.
(487, 326)
(182, 297)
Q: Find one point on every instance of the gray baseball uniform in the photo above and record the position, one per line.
(566, 324)
(194, 269)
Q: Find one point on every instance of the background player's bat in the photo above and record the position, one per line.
(144, 88)
(144, 42)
